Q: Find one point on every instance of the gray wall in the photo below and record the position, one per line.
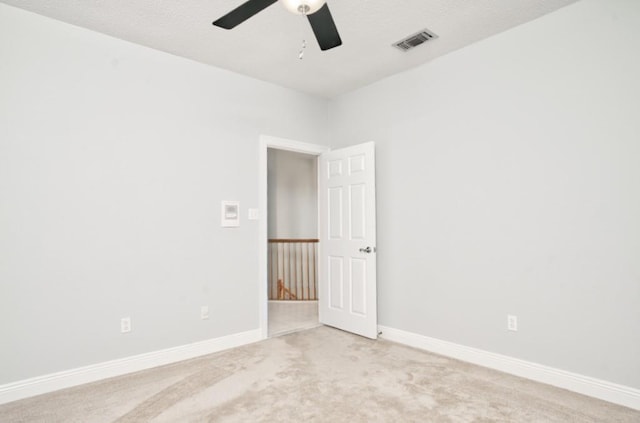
(508, 182)
(292, 194)
(113, 162)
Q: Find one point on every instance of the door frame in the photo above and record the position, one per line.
(266, 142)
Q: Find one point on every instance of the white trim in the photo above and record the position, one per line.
(607, 391)
(292, 145)
(267, 142)
(81, 375)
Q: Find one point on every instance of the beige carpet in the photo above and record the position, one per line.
(321, 375)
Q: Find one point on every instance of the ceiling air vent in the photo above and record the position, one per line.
(415, 40)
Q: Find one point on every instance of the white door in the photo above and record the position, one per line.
(347, 273)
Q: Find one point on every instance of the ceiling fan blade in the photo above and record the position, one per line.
(242, 13)
(325, 28)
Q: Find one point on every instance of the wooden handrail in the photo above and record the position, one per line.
(292, 240)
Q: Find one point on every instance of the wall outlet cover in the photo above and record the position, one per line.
(125, 325)
(512, 323)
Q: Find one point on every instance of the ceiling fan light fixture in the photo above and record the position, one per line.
(315, 11)
(303, 7)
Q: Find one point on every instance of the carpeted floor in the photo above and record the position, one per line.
(321, 375)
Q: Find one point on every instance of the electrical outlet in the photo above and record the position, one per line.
(512, 323)
(125, 325)
(204, 312)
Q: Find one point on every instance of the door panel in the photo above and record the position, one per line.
(359, 286)
(357, 206)
(336, 283)
(347, 240)
(335, 213)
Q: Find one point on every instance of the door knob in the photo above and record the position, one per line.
(365, 250)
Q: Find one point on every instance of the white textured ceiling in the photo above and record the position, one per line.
(266, 46)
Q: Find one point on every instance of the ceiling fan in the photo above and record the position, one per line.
(317, 11)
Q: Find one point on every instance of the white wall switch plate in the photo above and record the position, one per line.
(204, 312)
(254, 214)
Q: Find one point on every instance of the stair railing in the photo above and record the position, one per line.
(292, 269)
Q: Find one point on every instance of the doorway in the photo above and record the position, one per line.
(289, 244)
(292, 227)
(346, 250)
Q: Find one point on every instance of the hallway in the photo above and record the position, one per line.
(290, 316)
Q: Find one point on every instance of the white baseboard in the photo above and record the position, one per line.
(607, 391)
(68, 378)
